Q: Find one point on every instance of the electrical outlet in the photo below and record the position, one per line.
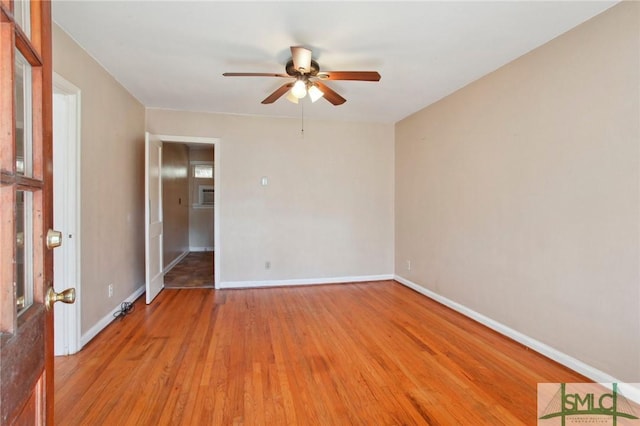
(267, 265)
(408, 265)
(110, 290)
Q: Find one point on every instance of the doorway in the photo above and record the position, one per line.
(190, 211)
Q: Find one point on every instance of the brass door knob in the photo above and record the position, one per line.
(65, 296)
(54, 239)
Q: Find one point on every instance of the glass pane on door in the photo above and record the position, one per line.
(22, 15)
(24, 250)
(23, 116)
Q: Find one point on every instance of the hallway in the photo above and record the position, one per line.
(194, 271)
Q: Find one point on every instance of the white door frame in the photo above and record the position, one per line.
(216, 142)
(66, 210)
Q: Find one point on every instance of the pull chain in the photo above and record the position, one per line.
(302, 118)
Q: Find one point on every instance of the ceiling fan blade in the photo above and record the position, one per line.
(276, 95)
(301, 59)
(253, 74)
(330, 94)
(350, 75)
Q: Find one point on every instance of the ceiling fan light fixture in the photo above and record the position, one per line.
(315, 93)
(308, 78)
(291, 98)
(299, 89)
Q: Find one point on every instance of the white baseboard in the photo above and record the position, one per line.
(629, 390)
(175, 262)
(106, 320)
(207, 248)
(305, 281)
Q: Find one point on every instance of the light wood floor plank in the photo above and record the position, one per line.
(352, 354)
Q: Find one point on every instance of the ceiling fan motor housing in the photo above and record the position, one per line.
(293, 72)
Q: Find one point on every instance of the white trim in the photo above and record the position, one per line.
(201, 248)
(629, 390)
(69, 328)
(593, 373)
(216, 214)
(175, 262)
(188, 139)
(303, 281)
(107, 319)
(217, 143)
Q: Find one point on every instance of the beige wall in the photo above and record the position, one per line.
(175, 201)
(112, 182)
(328, 209)
(518, 196)
(200, 219)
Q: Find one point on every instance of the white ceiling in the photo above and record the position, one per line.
(171, 54)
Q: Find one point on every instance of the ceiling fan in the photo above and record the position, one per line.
(308, 79)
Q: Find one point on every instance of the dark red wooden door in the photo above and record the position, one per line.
(26, 264)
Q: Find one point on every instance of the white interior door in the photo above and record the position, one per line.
(154, 276)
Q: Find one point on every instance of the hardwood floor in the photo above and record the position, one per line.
(194, 271)
(354, 354)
